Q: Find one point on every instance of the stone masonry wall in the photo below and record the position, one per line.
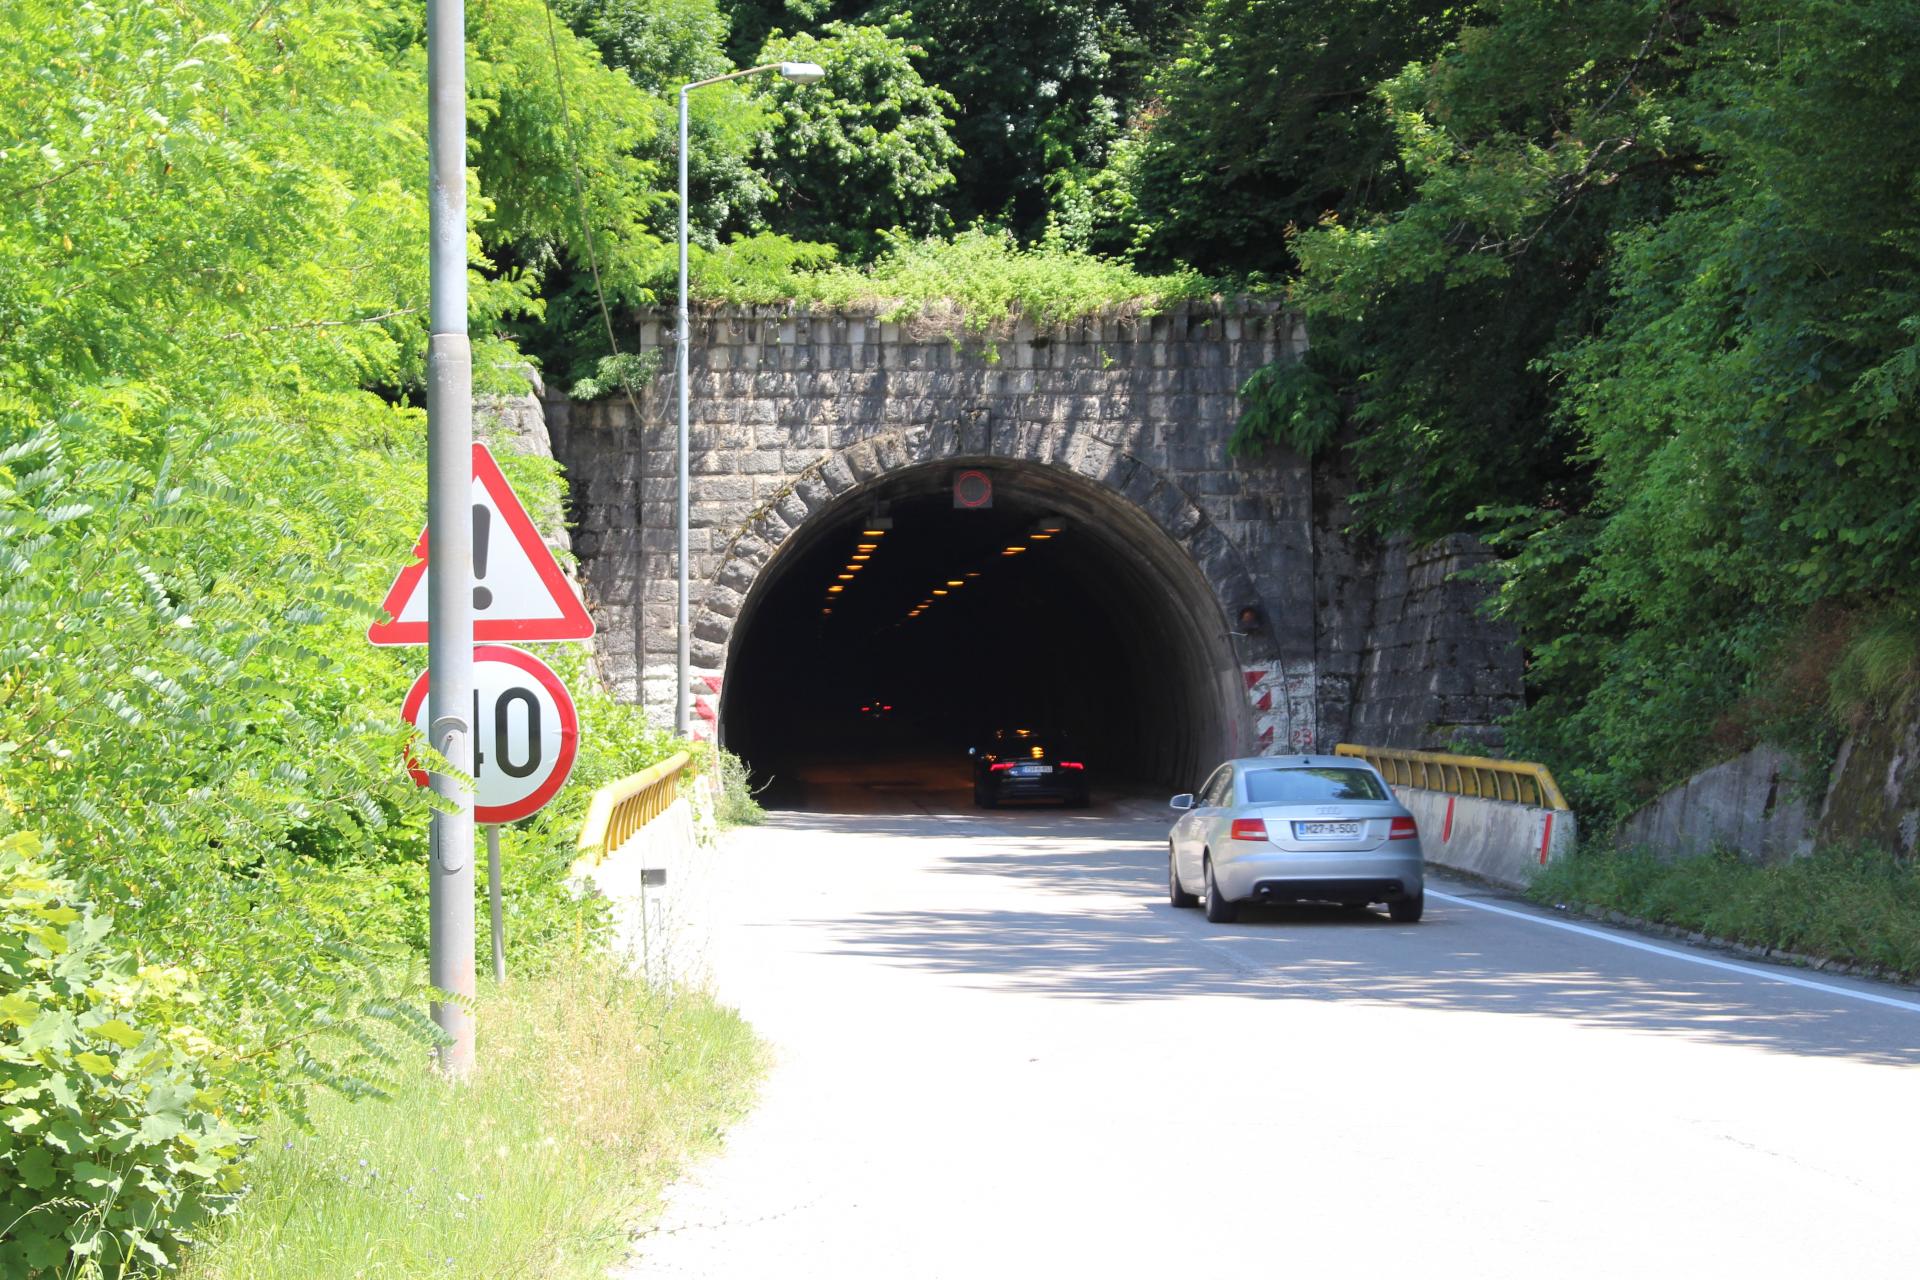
(790, 410)
(1433, 673)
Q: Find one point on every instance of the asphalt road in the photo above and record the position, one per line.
(999, 1052)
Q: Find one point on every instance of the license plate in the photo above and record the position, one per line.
(1031, 770)
(1326, 830)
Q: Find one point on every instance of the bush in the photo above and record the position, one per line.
(114, 1136)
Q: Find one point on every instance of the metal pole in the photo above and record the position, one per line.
(450, 540)
(684, 342)
(802, 73)
(493, 899)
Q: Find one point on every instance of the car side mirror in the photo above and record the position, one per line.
(1182, 801)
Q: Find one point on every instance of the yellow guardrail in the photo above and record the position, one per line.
(621, 808)
(1515, 780)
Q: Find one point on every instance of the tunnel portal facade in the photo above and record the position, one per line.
(1280, 631)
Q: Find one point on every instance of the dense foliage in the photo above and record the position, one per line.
(1042, 88)
(971, 284)
(1633, 296)
(864, 150)
(212, 291)
(115, 1145)
(1208, 186)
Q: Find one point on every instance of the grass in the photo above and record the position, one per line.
(1854, 905)
(974, 284)
(593, 1090)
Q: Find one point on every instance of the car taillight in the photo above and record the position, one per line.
(1248, 829)
(1071, 764)
(1004, 764)
(1403, 829)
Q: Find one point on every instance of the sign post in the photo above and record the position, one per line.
(449, 477)
(493, 903)
(496, 713)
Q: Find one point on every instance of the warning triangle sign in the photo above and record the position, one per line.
(519, 593)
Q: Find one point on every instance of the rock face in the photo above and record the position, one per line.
(1875, 793)
(1757, 802)
(795, 415)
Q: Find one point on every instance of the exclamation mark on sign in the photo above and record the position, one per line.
(482, 522)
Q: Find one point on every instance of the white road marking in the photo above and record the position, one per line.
(1619, 940)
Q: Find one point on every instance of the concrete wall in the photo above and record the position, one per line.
(662, 886)
(1495, 840)
(1756, 802)
(793, 411)
(1751, 803)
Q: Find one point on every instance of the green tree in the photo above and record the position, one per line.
(1541, 131)
(1748, 406)
(866, 150)
(1041, 88)
(1265, 122)
(661, 46)
(212, 304)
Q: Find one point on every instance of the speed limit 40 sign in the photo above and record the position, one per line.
(525, 732)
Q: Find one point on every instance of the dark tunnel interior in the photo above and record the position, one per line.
(899, 625)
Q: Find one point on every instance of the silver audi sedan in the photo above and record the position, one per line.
(1295, 829)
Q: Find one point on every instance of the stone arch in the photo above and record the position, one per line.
(1176, 556)
(757, 542)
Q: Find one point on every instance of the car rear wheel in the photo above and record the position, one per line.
(1408, 910)
(1178, 896)
(983, 796)
(1219, 910)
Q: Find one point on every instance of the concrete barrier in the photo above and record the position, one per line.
(1497, 840)
(662, 884)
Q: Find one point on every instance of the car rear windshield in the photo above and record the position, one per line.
(1312, 786)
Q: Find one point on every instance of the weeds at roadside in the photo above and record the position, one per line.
(738, 805)
(593, 1090)
(1851, 904)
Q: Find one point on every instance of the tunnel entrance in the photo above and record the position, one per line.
(897, 628)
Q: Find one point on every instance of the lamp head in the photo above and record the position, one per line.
(802, 72)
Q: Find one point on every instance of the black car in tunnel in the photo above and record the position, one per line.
(1027, 764)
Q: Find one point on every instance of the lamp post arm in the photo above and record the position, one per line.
(731, 75)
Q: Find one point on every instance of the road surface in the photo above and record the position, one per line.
(999, 1052)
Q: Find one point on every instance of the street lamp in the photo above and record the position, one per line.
(799, 73)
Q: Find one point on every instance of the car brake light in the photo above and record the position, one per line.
(1071, 764)
(1403, 829)
(1004, 764)
(1248, 829)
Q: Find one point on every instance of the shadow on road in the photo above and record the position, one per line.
(1120, 941)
